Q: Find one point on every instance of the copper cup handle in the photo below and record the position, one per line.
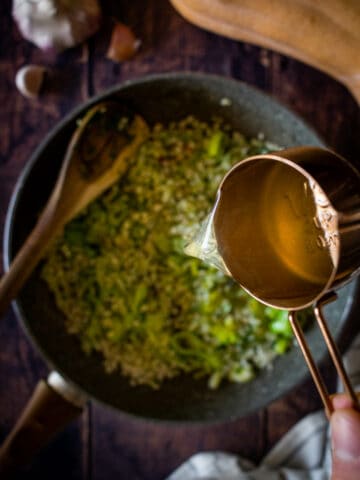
(333, 351)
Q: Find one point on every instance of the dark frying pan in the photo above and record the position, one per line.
(157, 98)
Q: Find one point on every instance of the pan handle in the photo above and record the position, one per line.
(53, 404)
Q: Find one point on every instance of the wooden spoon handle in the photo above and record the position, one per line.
(25, 261)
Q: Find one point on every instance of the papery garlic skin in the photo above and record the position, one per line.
(57, 24)
(123, 43)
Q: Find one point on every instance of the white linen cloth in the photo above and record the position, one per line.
(303, 453)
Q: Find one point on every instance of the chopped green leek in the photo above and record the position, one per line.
(128, 291)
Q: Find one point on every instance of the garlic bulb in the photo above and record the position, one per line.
(57, 24)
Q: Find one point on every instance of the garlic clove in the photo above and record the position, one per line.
(29, 80)
(123, 43)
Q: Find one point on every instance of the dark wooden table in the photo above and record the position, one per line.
(103, 444)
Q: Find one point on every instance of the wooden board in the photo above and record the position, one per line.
(324, 33)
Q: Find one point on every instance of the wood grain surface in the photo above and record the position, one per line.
(303, 30)
(104, 444)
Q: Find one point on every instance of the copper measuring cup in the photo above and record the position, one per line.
(287, 228)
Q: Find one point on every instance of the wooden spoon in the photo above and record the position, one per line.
(99, 152)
